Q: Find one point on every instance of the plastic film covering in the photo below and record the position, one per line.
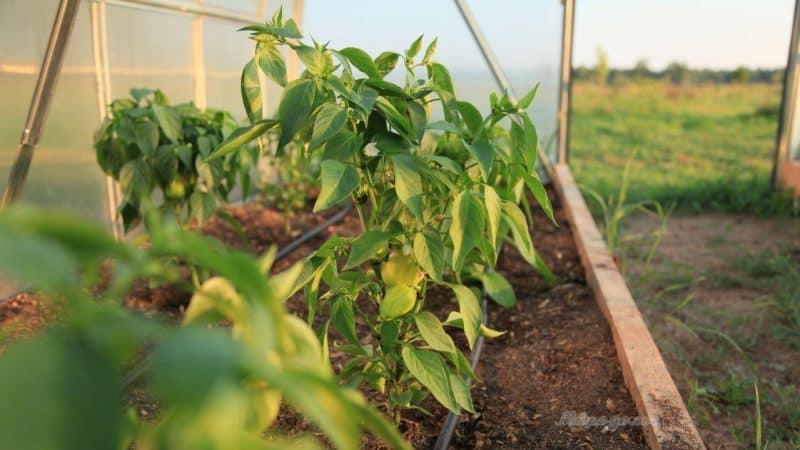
(530, 54)
(150, 48)
(63, 173)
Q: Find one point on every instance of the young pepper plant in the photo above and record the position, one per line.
(216, 388)
(435, 200)
(156, 152)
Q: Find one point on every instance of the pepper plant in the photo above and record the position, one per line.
(217, 388)
(156, 152)
(436, 200)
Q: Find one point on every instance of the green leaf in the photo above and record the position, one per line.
(442, 125)
(430, 370)
(362, 61)
(470, 309)
(399, 300)
(342, 146)
(515, 218)
(169, 121)
(202, 205)
(336, 411)
(483, 152)
(330, 120)
(408, 183)
(386, 62)
(499, 289)
(139, 93)
(337, 182)
(430, 50)
(136, 179)
(251, 92)
(185, 155)
(441, 77)
(146, 135)
(288, 30)
(429, 252)
(386, 88)
(343, 318)
(494, 212)
(295, 106)
(417, 117)
(526, 100)
(49, 388)
(242, 136)
(270, 60)
(366, 246)
(111, 156)
(460, 392)
(414, 48)
(471, 115)
(397, 120)
(531, 142)
(432, 331)
(539, 193)
(467, 226)
(165, 164)
(212, 355)
(313, 58)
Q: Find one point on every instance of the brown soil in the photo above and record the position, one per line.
(556, 359)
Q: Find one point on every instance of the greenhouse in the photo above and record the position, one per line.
(223, 228)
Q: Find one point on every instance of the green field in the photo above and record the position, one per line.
(705, 147)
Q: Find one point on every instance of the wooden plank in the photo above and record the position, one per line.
(646, 375)
(789, 176)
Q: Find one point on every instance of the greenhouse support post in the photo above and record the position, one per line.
(565, 82)
(42, 96)
(790, 92)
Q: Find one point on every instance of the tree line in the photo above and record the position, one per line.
(675, 72)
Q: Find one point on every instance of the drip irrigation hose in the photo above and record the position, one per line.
(294, 245)
(449, 426)
(139, 369)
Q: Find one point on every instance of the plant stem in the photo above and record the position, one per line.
(361, 217)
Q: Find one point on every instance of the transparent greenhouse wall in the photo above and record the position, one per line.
(526, 37)
(63, 174)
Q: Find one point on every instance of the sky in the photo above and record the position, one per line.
(526, 33)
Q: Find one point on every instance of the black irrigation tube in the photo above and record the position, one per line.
(449, 426)
(139, 369)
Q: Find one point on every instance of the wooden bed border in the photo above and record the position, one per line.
(651, 386)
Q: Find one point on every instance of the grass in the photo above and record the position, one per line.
(701, 147)
(718, 350)
(722, 295)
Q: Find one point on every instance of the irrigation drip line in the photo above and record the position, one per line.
(139, 369)
(294, 245)
(449, 426)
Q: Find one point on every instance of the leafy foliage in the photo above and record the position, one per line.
(435, 201)
(157, 154)
(217, 389)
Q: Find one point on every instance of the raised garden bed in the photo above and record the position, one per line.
(576, 353)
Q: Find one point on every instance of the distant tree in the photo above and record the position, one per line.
(677, 73)
(601, 68)
(777, 76)
(641, 70)
(741, 75)
(582, 73)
